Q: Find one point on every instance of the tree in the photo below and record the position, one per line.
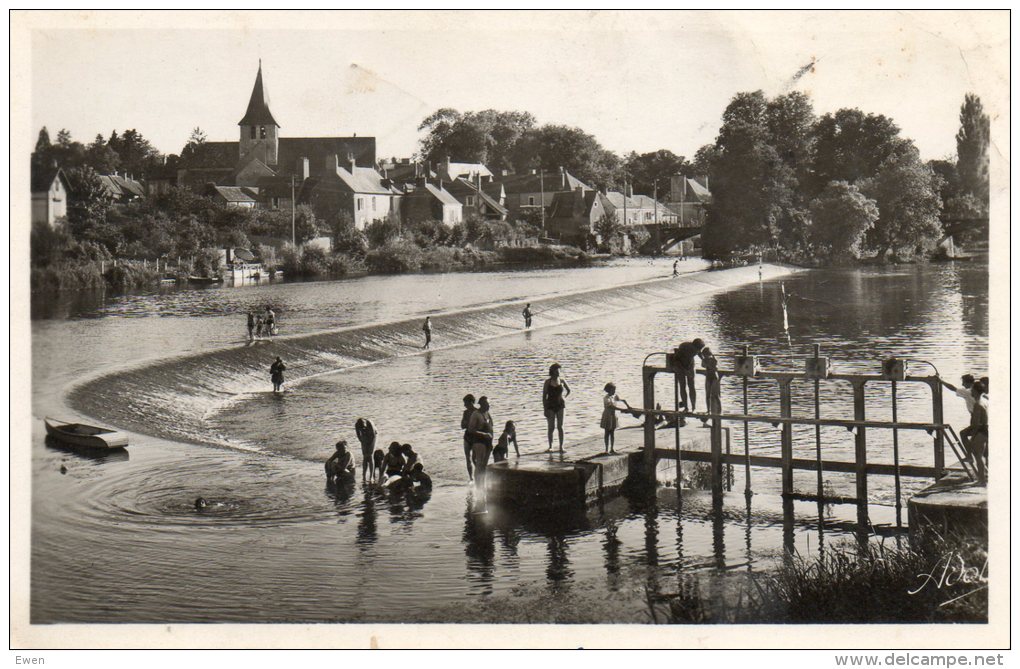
(486, 137)
(704, 158)
(851, 145)
(906, 192)
(840, 216)
(790, 120)
(972, 148)
(137, 155)
(553, 146)
(753, 189)
(647, 168)
(43, 144)
(608, 227)
(101, 157)
(87, 208)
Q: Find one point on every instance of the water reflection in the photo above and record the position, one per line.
(479, 546)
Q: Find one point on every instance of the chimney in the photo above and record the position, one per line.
(533, 172)
(444, 167)
(351, 161)
(579, 190)
(505, 172)
(563, 178)
(629, 190)
(331, 164)
(301, 170)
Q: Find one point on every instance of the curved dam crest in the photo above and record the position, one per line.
(172, 397)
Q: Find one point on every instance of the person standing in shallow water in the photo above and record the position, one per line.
(554, 392)
(527, 315)
(469, 408)
(276, 371)
(427, 329)
(480, 432)
(270, 325)
(251, 326)
(366, 433)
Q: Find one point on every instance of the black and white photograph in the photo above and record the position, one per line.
(667, 329)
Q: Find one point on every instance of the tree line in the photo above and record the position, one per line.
(840, 186)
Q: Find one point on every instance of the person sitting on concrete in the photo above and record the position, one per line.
(340, 466)
(502, 449)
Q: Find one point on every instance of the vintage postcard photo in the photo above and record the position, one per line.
(627, 329)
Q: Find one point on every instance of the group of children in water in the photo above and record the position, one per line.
(399, 467)
(261, 324)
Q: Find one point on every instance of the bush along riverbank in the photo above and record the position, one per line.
(937, 580)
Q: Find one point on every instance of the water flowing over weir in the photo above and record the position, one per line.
(172, 398)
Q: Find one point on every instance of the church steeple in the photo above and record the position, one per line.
(259, 136)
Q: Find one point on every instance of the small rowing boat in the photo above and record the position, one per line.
(205, 279)
(85, 436)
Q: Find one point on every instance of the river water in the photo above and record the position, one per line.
(118, 539)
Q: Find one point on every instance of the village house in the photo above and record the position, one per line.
(652, 212)
(530, 192)
(232, 196)
(49, 195)
(689, 197)
(573, 215)
(430, 201)
(121, 188)
(361, 192)
(485, 200)
(449, 171)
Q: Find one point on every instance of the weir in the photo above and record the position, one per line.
(171, 397)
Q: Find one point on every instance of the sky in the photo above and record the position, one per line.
(637, 81)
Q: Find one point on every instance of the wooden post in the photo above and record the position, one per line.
(861, 456)
(940, 437)
(717, 464)
(747, 441)
(818, 432)
(786, 453)
(896, 460)
(648, 387)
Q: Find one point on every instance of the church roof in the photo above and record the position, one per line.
(258, 106)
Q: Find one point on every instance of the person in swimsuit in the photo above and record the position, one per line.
(502, 450)
(480, 434)
(366, 433)
(251, 326)
(554, 392)
(377, 464)
(258, 327)
(410, 459)
(609, 421)
(527, 315)
(469, 408)
(418, 478)
(676, 271)
(427, 329)
(276, 374)
(393, 462)
(340, 465)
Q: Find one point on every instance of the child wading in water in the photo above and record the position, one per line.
(609, 419)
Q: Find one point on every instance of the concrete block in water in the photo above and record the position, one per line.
(954, 507)
(543, 480)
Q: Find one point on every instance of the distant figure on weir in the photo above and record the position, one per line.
(480, 432)
(554, 393)
(340, 466)
(258, 326)
(527, 315)
(609, 421)
(427, 329)
(366, 433)
(687, 351)
(270, 322)
(502, 449)
(276, 371)
(713, 395)
(251, 326)
(469, 409)
(676, 270)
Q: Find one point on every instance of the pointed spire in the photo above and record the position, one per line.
(258, 106)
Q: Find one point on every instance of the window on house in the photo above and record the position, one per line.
(469, 200)
(253, 132)
(531, 201)
(274, 202)
(373, 204)
(360, 203)
(262, 131)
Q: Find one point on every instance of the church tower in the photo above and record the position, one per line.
(260, 136)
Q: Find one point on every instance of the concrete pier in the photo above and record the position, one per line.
(953, 507)
(584, 473)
